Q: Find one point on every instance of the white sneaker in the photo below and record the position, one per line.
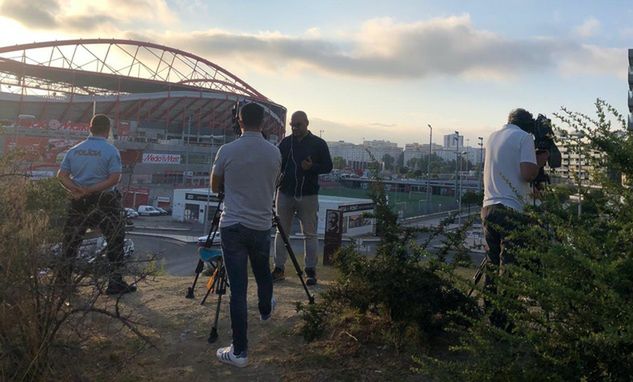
(226, 355)
(273, 304)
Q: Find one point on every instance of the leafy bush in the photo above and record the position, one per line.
(36, 310)
(410, 291)
(570, 297)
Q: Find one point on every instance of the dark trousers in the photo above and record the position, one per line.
(102, 210)
(239, 244)
(499, 224)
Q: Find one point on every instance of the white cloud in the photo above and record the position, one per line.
(381, 48)
(91, 17)
(588, 28)
(594, 60)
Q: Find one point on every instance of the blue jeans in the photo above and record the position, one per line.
(239, 244)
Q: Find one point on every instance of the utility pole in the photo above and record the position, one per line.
(459, 210)
(578, 135)
(320, 133)
(481, 163)
(461, 162)
(428, 170)
(187, 150)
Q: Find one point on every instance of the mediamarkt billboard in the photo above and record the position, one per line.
(161, 158)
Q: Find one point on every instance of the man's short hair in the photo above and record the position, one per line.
(522, 118)
(100, 124)
(252, 115)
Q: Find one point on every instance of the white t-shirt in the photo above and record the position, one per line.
(505, 150)
(250, 166)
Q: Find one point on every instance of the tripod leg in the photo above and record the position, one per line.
(478, 274)
(221, 290)
(214, 285)
(291, 253)
(199, 269)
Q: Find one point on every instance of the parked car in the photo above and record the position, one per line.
(203, 239)
(162, 211)
(91, 248)
(130, 213)
(148, 211)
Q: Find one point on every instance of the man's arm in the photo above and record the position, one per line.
(69, 185)
(324, 166)
(284, 150)
(217, 172)
(110, 182)
(529, 171)
(217, 183)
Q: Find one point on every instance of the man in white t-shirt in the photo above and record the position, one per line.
(511, 164)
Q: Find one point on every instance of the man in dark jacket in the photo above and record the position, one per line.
(304, 157)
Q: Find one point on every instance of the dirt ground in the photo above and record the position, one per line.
(179, 327)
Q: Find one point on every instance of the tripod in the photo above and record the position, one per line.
(207, 253)
(480, 272)
(219, 281)
(291, 253)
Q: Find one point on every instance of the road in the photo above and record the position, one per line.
(180, 259)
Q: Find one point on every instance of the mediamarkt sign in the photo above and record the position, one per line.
(161, 158)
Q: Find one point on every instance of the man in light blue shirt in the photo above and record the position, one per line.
(90, 171)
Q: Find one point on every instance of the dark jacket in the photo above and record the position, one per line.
(297, 182)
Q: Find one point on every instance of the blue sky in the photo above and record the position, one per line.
(377, 71)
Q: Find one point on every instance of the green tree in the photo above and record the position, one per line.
(400, 161)
(388, 161)
(469, 198)
(338, 162)
(574, 318)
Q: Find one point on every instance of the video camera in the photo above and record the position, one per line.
(235, 117)
(544, 140)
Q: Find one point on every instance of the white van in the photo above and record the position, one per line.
(147, 211)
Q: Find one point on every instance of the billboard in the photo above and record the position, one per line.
(161, 158)
(40, 151)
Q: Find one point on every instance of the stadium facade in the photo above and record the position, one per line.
(171, 110)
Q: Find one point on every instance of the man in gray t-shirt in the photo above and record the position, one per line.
(246, 170)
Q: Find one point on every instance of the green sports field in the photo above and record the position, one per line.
(409, 204)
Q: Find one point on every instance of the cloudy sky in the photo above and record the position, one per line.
(376, 71)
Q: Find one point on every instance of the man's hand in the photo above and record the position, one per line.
(306, 164)
(541, 157)
(78, 193)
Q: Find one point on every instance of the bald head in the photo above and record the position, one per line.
(299, 123)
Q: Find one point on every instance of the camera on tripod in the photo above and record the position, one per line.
(544, 139)
(235, 117)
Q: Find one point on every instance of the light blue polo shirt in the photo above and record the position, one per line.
(92, 161)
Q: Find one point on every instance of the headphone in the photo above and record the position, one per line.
(291, 156)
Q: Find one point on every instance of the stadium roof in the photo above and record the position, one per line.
(95, 66)
(126, 79)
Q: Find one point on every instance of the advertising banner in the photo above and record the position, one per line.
(161, 158)
(333, 235)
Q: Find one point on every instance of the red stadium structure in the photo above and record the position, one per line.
(170, 109)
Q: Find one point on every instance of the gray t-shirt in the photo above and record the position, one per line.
(92, 161)
(250, 166)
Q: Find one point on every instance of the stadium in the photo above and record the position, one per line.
(171, 110)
